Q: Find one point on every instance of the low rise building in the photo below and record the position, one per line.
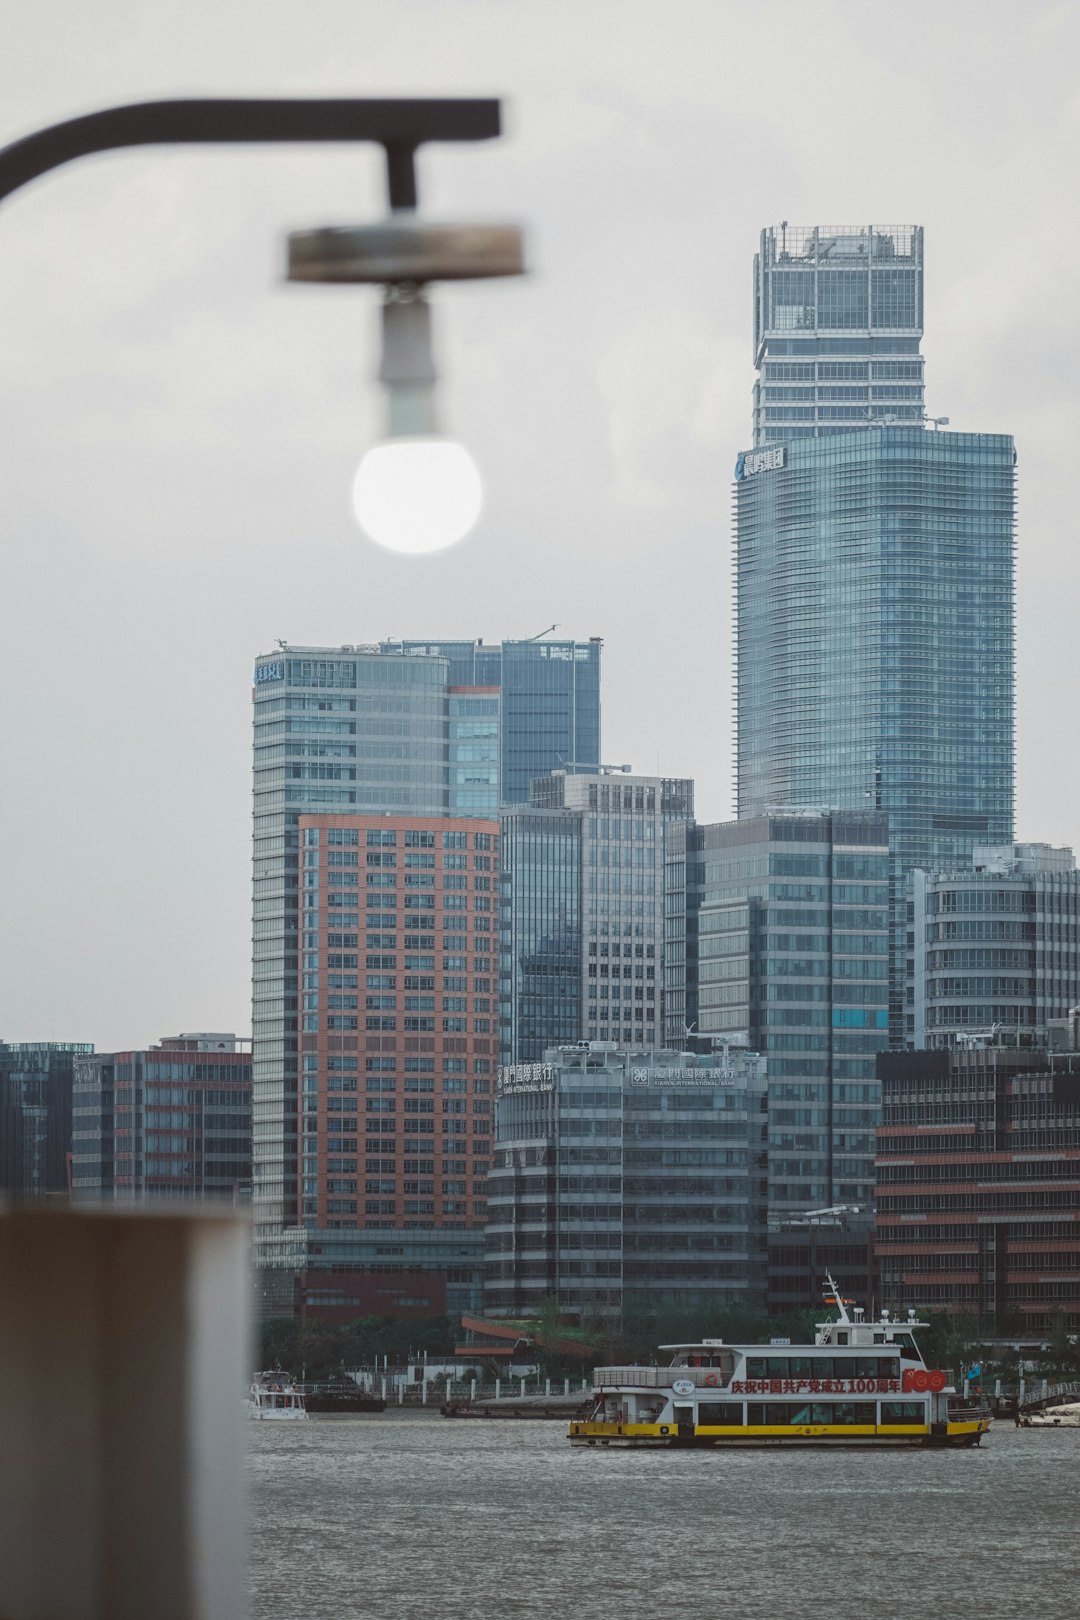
(35, 1115)
(978, 1183)
(170, 1121)
(626, 1178)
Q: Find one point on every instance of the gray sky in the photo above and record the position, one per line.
(181, 428)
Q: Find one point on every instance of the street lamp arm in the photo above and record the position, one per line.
(396, 125)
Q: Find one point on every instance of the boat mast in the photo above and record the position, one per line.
(838, 1299)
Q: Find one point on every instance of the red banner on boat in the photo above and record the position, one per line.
(923, 1380)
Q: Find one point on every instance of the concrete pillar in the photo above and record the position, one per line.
(124, 1358)
(566, 1386)
(498, 1387)
(472, 1389)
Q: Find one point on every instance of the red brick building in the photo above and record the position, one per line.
(398, 1029)
(978, 1184)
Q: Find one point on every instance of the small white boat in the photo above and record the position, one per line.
(273, 1395)
(1054, 1417)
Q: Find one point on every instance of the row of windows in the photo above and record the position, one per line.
(409, 838)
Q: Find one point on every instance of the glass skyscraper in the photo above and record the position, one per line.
(777, 934)
(583, 939)
(838, 315)
(874, 580)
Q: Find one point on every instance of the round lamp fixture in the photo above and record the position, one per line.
(417, 495)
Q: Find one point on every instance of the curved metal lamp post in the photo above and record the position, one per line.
(402, 253)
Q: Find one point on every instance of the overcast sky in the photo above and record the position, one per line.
(181, 428)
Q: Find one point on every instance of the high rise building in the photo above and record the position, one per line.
(172, 1121)
(399, 1040)
(875, 640)
(541, 954)
(35, 1115)
(838, 317)
(584, 873)
(995, 947)
(777, 936)
(391, 729)
(624, 1180)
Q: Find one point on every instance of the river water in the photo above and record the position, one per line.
(403, 1516)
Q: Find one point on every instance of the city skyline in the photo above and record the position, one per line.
(182, 429)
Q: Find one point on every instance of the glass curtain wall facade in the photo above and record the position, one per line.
(35, 1115)
(790, 915)
(334, 731)
(874, 584)
(838, 318)
(625, 1180)
(549, 701)
(591, 846)
(994, 948)
(541, 943)
(474, 751)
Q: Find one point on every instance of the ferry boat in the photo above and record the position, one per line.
(861, 1383)
(273, 1395)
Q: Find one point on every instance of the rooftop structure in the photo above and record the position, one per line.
(838, 318)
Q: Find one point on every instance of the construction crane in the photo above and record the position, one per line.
(543, 633)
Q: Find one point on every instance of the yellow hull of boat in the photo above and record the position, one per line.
(818, 1434)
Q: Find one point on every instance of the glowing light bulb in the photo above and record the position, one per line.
(417, 495)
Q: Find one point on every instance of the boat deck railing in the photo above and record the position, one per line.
(968, 1411)
(656, 1377)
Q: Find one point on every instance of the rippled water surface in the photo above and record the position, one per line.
(401, 1516)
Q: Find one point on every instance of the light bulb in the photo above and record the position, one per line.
(417, 494)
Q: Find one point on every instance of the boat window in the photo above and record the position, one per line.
(781, 1414)
(828, 1412)
(804, 1367)
(841, 1338)
(853, 1412)
(720, 1413)
(755, 1367)
(816, 1412)
(904, 1341)
(903, 1412)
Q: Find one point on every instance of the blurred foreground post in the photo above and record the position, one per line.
(124, 1359)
